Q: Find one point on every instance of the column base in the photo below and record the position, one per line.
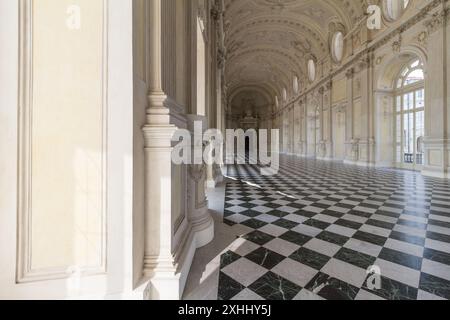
(169, 284)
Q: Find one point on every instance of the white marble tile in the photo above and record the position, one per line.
(411, 231)
(323, 247)
(325, 218)
(238, 218)
(405, 247)
(307, 230)
(351, 217)
(437, 245)
(438, 229)
(295, 272)
(426, 296)
(247, 295)
(345, 272)
(243, 247)
(296, 218)
(375, 230)
(266, 218)
(282, 247)
(343, 231)
(273, 230)
(262, 209)
(399, 273)
(244, 271)
(363, 247)
(306, 295)
(313, 209)
(364, 295)
(436, 269)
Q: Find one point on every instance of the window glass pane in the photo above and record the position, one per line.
(408, 139)
(420, 99)
(408, 101)
(338, 46)
(415, 64)
(399, 104)
(398, 138)
(415, 76)
(420, 133)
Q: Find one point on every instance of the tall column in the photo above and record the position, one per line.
(437, 142)
(352, 144)
(321, 148)
(329, 133)
(159, 263)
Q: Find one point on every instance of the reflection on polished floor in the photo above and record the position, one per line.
(315, 230)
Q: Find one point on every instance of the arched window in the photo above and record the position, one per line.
(410, 116)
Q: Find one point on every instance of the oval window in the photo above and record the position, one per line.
(393, 9)
(284, 95)
(295, 85)
(311, 70)
(337, 46)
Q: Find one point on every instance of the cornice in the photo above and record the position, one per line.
(437, 21)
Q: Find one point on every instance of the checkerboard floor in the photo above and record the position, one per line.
(320, 228)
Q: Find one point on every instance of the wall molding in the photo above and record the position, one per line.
(24, 271)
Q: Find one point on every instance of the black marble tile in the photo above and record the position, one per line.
(250, 213)
(228, 287)
(412, 224)
(392, 290)
(310, 258)
(228, 258)
(439, 223)
(438, 237)
(349, 224)
(333, 214)
(287, 224)
(333, 238)
(305, 214)
(380, 224)
(273, 287)
(278, 213)
(437, 286)
(400, 236)
(259, 237)
(316, 224)
(272, 205)
(371, 238)
(297, 206)
(254, 223)
(296, 238)
(344, 205)
(265, 258)
(320, 205)
(331, 288)
(401, 258)
(355, 258)
(360, 213)
(437, 256)
(387, 214)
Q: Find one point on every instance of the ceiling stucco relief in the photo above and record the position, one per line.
(269, 41)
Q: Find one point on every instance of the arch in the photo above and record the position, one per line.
(391, 67)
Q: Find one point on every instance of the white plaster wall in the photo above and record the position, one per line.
(117, 280)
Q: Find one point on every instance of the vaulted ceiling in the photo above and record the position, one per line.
(269, 41)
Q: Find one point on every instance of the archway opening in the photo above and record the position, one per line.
(410, 116)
